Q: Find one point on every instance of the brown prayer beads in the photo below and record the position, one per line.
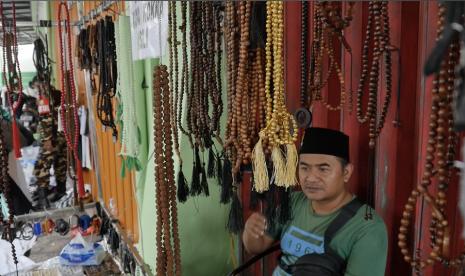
(328, 24)
(441, 146)
(245, 78)
(378, 16)
(167, 236)
(174, 76)
(205, 51)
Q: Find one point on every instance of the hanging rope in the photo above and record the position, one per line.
(68, 93)
(12, 74)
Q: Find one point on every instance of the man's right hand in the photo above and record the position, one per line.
(256, 225)
(254, 237)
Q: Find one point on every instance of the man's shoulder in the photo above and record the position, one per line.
(298, 197)
(366, 220)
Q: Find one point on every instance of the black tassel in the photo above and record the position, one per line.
(183, 189)
(284, 207)
(211, 163)
(238, 178)
(204, 182)
(270, 208)
(226, 188)
(235, 221)
(219, 169)
(254, 199)
(254, 196)
(196, 188)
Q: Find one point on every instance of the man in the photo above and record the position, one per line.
(53, 148)
(324, 171)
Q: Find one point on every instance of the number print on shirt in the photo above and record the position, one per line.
(298, 242)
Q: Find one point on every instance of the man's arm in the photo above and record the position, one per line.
(369, 253)
(254, 237)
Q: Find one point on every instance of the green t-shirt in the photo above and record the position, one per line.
(362, 243)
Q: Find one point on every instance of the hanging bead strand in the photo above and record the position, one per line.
(67, 83)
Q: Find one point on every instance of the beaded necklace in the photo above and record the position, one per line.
(204, 95)
(379, 21)
(176, 104)
(281, 128)
(5, 183)
(441, 147)
(10, 61)
(303, 54)
(167, 236)
(328, 24)
(68, 90)
(107, 73)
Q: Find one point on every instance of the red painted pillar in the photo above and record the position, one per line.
(397, 158)
(352, 68)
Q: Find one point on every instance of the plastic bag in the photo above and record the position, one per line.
(80, 252)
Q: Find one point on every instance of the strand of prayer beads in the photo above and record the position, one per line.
(441, 147)
(5, 188)
(328, 24)
(68, 93)
(167, 235)
(377, 34)
(12, 74)
(176, 100)
(281, 128)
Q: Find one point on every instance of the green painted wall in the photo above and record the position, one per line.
(205, 242)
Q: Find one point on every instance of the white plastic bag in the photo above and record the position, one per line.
(80, 252)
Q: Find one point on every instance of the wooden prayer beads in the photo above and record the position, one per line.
(204, 86)
(441, 147)
(245, 76)
(328, 24)
(176, 103)
(12, 74)
(68, 94)
(378, 16)
(5, 189)
(184, 72)
(167, 236)
(10, 60)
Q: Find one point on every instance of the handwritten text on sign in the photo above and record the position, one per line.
(148, 32)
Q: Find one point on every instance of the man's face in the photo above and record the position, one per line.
(322, 176)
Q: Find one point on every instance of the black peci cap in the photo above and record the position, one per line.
(325, 141)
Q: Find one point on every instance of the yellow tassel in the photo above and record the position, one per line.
(291, 165)
(279, 167)
(260, 172)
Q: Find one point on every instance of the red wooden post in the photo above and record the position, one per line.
(396, 152)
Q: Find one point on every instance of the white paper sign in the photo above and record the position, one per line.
(149, 28)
